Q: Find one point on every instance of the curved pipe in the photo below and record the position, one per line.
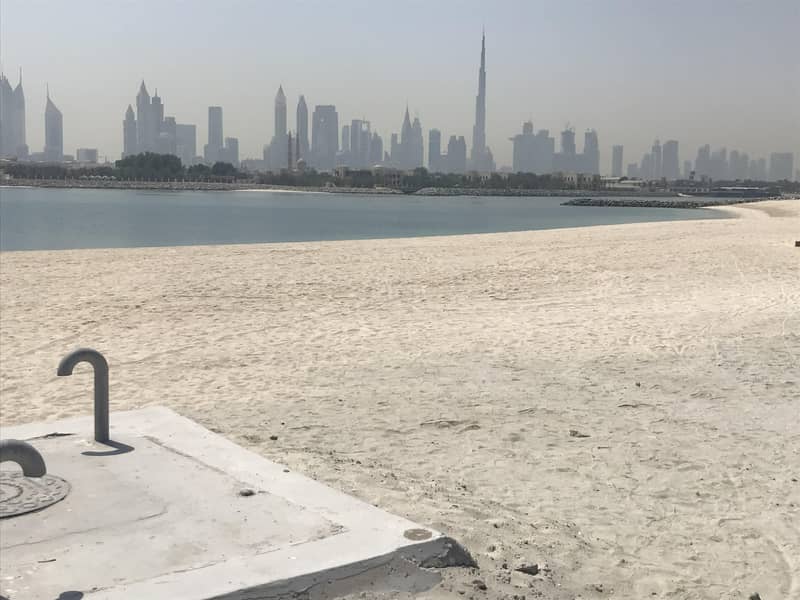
(25, 455)
(94, 358)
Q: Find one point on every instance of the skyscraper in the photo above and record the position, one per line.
(302, 128)
(186, 143)
(12, 119)
(670, 163)
(324, 137)
(280, 114)
(655, 155)
(590, 161)
(213, 149)
(616, 161)
(409, 152)
(53, 132)
(434, 151)
(346, 138)
(375, 150)
(277, 157)
(456, 155)
(143, 118)
(230, 153)
(129, 144)
(481, 156)
(360, 138)
(149, 130)
(566, 160)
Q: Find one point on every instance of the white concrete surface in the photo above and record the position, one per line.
(167, 520)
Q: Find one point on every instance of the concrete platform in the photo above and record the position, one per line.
(176, 511)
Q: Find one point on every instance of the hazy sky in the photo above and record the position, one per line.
(724, 72)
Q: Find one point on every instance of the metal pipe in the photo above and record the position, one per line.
(94, 358)
(25, 455)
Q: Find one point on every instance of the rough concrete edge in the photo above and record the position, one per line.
(439, 553)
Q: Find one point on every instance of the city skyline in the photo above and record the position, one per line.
(671, 76)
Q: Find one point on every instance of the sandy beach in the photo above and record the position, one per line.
(619, 405)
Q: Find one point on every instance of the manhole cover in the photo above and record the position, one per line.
(20, 494)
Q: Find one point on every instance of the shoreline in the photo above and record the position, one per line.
(581, 197)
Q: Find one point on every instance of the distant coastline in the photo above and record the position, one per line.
(600, 198)
(217, 186)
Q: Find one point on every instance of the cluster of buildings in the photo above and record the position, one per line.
(148, 130)
(663, 162)
(13, 143)
(325, 146)
(535, 152)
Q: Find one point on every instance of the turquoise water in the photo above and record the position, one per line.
(54, 219)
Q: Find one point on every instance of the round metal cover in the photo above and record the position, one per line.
(20, 494)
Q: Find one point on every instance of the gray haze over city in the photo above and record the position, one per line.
(723, 73)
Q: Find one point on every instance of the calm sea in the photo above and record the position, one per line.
(55, 219)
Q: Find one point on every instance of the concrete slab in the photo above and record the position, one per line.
(168, 513)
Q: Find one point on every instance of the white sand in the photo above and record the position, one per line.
(439, 378)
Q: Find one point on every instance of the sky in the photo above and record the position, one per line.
(722, 72)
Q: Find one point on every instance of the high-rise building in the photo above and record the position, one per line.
(646, 170)
(277, 157)
(409, 152)
(129, 139)
(702, 164)
(375, 150)
(687, 169)
(302, 128)
(656, 160)
(719, 164)
(214, 148)
(616, 161)
(166, 138)
(435, 151)
(360, 138)
(781, 165)
(324, 137)
(533, 153)
(346, 138)
(12, 119)
(143, 118)
(590, 160)
(53, 132)
(481, 156)
(456, 155)
(186, 143)
(149, 130)
(230, 153)
(670, 163)
(280, 113)
(566, 161)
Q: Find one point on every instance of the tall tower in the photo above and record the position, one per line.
(212, 152)
(280, 114)
(129, 133)
(616, 161)
(480, 155)
(143, 120)
(655, 152)
(21, 147)
(302, 129)
(12, 119)
(53, 132)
